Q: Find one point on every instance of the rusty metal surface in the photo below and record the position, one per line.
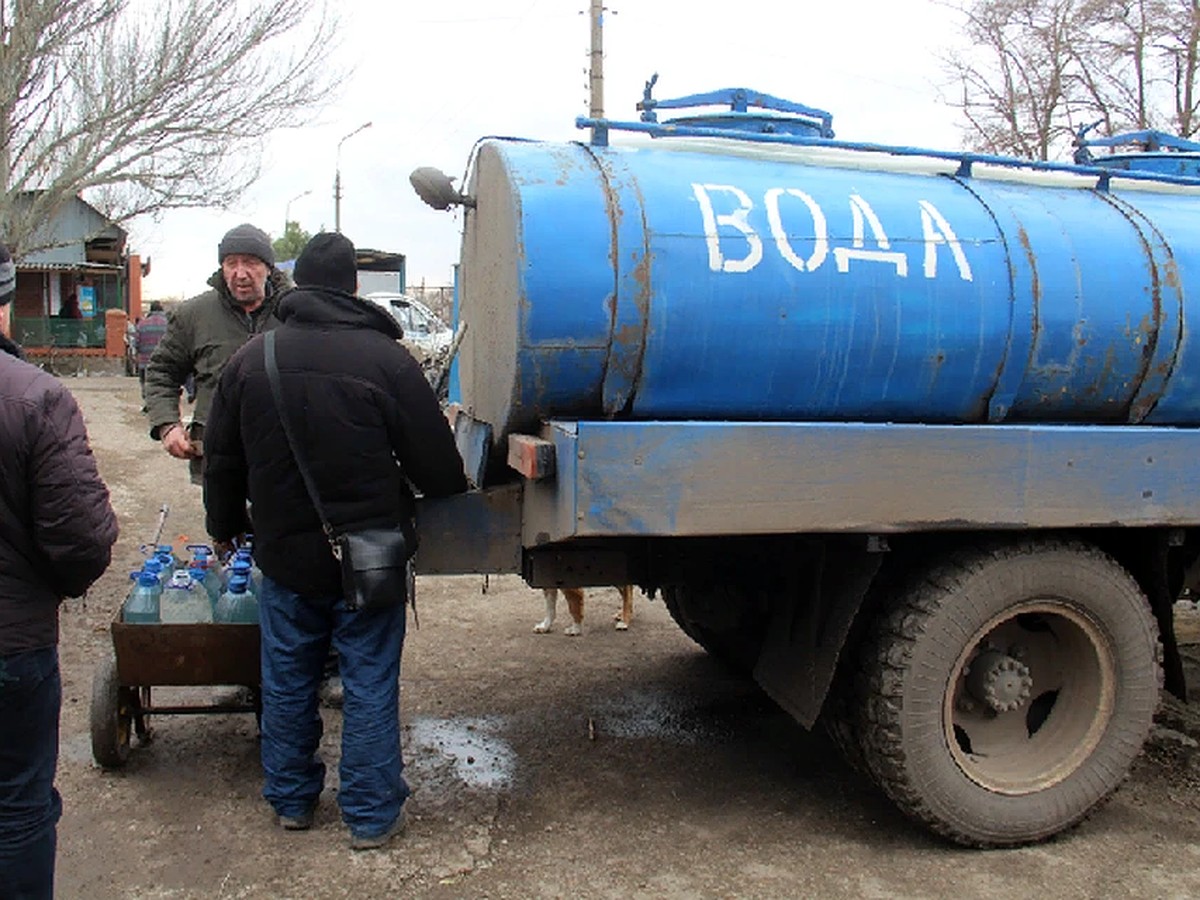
(192, 654)
(695, 478)
(467, 533)
(629, 304)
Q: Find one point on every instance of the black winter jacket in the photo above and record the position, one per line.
(365, 415)
(57, 527)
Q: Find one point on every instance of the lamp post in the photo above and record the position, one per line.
(287, 209)
(337, 178)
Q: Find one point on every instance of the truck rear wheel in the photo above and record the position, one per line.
(1007, 693)
(721, 619)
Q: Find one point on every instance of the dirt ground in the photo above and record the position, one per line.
(609, 765)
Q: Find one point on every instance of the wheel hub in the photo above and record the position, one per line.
(1000, 681)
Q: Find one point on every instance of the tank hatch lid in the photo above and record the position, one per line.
(1149, 151)
(750, 111)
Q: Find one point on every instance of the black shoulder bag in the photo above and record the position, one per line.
(374, 561)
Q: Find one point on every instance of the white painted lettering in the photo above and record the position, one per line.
(820, 229)
(864, 215)
(717, 261)
(938, 231)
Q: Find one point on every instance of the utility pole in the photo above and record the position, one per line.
(337, 178)
(596, 69)
(596, 72)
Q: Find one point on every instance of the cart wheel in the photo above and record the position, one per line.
(111, 716)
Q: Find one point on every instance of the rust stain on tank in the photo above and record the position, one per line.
(641, 274)
(1035, 282)
(1170, 273)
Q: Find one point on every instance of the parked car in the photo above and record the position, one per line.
(424, 333)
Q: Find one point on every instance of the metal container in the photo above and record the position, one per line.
(734, 280)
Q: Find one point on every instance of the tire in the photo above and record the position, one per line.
(1006, 694)
(111, 716)
(721, 619)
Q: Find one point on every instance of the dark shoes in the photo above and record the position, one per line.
(358, 842)
(302, 822)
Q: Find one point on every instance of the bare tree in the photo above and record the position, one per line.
(147, 105)
(1041, 68)
(1179, 47)
(1015, 86)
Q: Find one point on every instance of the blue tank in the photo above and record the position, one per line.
(754, 272)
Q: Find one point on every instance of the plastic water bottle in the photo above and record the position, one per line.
(238, 603)
(165, 554)
(244, 554)
(142, 604)
(203, 557)
(155, 567)
(209, 580)
(184, 601)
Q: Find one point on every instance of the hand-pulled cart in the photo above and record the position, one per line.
(146, 656)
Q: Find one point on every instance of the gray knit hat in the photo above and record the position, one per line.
(8, 276)
(249, 240)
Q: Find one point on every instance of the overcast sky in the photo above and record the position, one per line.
(432, 78)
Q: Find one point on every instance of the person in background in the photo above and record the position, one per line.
(70, 308)
(204, 333)
(148, 333)
(150, 330)
(369, 423)
(57, 529)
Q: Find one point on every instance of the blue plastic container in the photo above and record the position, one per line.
(155, 567)
(238, 602)
(142, 604)
(184, 601)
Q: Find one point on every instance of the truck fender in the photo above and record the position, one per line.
(808, 626)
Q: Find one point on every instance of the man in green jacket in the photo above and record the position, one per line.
(205, 332)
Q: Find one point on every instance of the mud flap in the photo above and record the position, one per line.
(809, 626)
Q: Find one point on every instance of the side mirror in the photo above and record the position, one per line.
(437, 189)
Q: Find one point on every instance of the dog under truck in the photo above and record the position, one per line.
(908, 435)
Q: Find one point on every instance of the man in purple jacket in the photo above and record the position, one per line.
(57, 529)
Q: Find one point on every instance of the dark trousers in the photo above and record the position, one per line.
(296, 635)
(30, 698)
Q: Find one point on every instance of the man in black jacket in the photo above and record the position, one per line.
(369, 425)
(57, 529)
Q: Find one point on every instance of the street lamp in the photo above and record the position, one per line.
(337, 178)
(287, 209)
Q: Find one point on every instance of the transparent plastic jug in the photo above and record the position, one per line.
(142, 604)
(155, 567)
(238, 603)
(184, 601)
(203, 557)
(165, 554)
(244, 554)
(209, 580)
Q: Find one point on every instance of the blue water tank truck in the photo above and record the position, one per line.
(909, 435)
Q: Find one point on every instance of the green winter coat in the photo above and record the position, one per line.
(200, 338)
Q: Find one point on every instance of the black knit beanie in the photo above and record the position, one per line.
(248, 240)
(8, 276)
(327, 261)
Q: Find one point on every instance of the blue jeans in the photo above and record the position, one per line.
(30, 699)
(296, 635)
